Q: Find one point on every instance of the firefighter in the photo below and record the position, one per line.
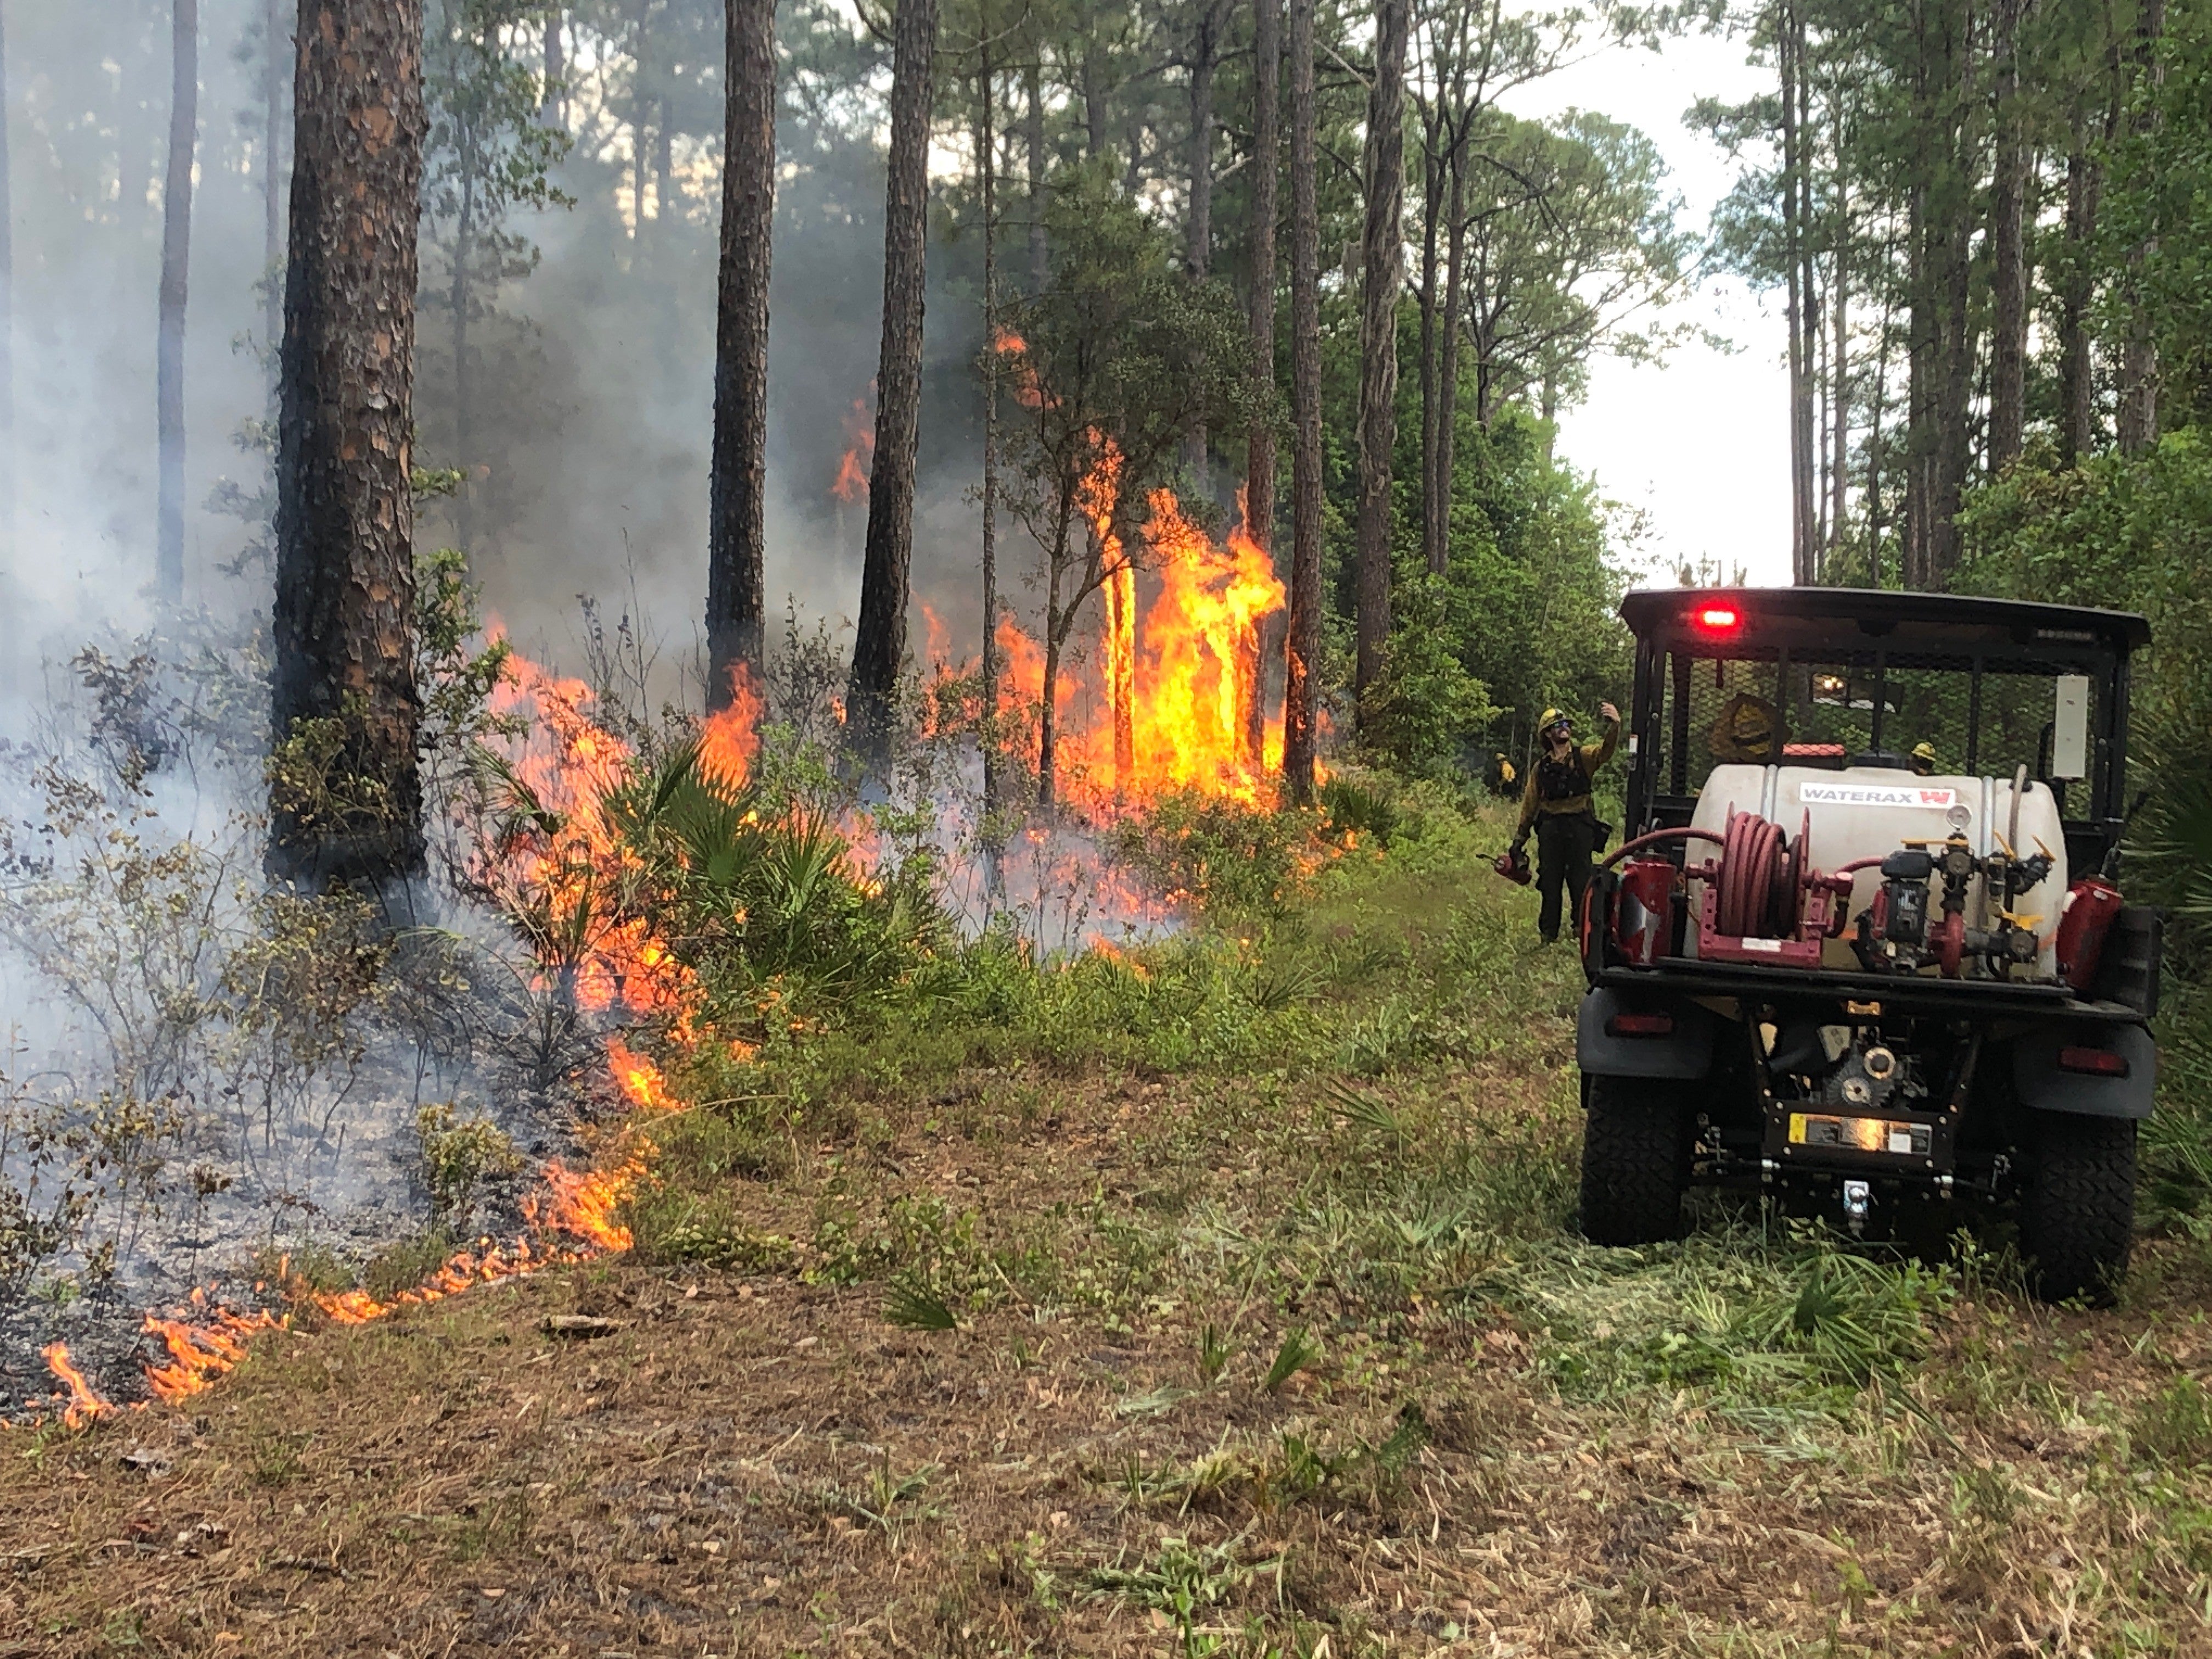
(1503, 777)
(1556, 805)
(1924, 759)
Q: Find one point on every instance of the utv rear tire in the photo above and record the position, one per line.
(2077, 1210)
(1633, 1166)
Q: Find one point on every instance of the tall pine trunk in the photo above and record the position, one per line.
(1259, 437)
(277, 74)
(987, 162)
(1197, 229)
(7, 322)
(2136, 417)
(176, 266)
(737, 522)
(553, 100)
(1380, 249)
(879, 642)
(1432, 191)
(1448, 367)
(1033, 147)
(1799, 303)
(1301, 686)
(345, 623)
(2077, 391)
(2008, 248)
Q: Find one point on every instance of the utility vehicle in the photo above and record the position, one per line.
(1860, 979)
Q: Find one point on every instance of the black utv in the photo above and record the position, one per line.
(1864, 948)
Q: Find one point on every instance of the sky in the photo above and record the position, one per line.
(1699, 444)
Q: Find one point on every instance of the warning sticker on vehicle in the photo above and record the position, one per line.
(1860, 1134)
(1875, 794)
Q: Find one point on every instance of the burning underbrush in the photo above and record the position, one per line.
(640, 932)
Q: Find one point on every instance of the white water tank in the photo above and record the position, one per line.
(1870, 811)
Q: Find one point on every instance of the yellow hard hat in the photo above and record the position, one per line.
(1925, 751)
(1553, 717)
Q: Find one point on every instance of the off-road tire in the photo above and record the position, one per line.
(2077, 1209)
(1633, 1167)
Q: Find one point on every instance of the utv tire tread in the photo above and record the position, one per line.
(2077, 1212)
(1632, 1162)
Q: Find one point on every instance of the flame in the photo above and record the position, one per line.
(85, 1405)
(851, 484)
(730, 740)
(199, 1353)
(1181, 684)
(639, 1078)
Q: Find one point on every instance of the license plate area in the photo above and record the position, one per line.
(1825, 1137)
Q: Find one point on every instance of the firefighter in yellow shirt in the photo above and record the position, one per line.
(1556, 805)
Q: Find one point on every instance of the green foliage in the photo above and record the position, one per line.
(459, 1152)
(1299, 1349)
(916, 1307)
(1231, 859)
(2174, 1427)
(1424, 707)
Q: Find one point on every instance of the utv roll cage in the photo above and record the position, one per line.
(1873, 633)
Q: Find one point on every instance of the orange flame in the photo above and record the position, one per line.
(85, 1405)
(639, 1078)
(851, 484)
(1180, 686)
(200, 1352)
(730, 740)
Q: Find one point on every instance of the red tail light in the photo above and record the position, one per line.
(2092, 1062)
(1640, 1025)
(1718, 618)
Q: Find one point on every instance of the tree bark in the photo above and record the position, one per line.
(1094, 102)
(553, 104)
(176, 266)
(1033, 144)
(1432, 191)
(344, 623)
(276, 74)
(7, 325)
(2136, 419)
(1380, 253)
(1198, 232)
(1448, 367)
(736, 521)
(879, 644)
(1259, 437)
(1798, 302)
(1301, 686)
(986, 160)
(2077, 392)
(2008, 248)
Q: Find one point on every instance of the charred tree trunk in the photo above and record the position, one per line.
(1380, 247)
(879, 644)
(1301, 686)
(1260, 439)
(344, 625)
(737, 524)
(176, 266)
(277, 74)
(2008, 248)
